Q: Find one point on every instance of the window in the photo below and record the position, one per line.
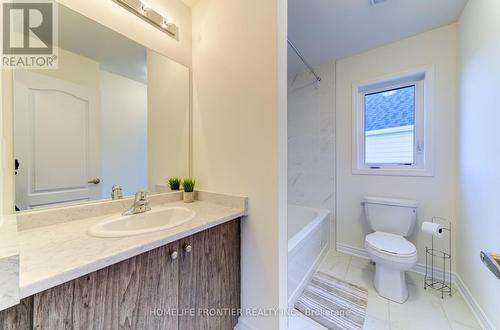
(390, 133)
(390, 126)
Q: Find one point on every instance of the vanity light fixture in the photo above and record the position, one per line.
(144, 11)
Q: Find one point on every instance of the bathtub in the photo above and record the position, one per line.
(308, 240)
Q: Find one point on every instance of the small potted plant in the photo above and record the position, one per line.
(174, 183)
(188, 186)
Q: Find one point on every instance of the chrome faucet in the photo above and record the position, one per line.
(141, 204)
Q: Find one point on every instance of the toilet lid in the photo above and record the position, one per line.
(390, 243)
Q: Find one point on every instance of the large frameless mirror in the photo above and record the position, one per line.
(112, 113)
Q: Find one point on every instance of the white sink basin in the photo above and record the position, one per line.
(159, 218)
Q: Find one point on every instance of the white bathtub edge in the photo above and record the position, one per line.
(297, 238)
(298, 291)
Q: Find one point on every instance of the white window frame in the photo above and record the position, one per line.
(423, 148)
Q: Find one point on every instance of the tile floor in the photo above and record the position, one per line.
(424, 310)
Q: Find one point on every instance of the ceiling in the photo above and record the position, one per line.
(114, 52)
(190, 3)
(324, 30)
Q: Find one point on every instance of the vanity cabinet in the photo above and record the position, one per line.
(120, 296)
(209, 278)
(190, 284)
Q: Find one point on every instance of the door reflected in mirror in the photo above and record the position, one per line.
(113, 113)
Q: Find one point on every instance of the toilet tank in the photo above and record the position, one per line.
(390, 215)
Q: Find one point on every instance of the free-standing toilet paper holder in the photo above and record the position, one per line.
(438, 262)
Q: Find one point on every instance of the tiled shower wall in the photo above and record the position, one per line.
(311, 140)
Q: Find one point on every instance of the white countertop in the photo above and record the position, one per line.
(52, 255)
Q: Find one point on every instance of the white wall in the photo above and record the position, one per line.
(235, 132)
(311, 140)
(3, 152)
(8, 179)
(168, 120)
(74, 68)
(436, 195)
(124, 134)
(479, 176)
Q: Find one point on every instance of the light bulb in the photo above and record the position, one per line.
(144, 8)
(166, 22)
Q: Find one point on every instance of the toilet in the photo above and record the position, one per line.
(392, 220)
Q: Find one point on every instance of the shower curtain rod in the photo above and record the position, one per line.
(299, 54)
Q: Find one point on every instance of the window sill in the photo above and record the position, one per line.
(393, 172)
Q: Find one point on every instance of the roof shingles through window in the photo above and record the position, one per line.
(390, 109)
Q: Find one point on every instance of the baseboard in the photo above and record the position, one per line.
(354, 251)
(361, 253)
(476, 309)
(420, 269)
(295, 295)
(478, 312)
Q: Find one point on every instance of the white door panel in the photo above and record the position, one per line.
(59, 115)
(57, 141)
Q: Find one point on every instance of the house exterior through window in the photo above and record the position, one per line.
(391, 118)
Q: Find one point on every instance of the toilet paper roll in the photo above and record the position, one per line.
(434, 229)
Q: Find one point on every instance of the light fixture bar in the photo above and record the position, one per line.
(142, 10)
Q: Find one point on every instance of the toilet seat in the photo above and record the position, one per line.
(392, 245)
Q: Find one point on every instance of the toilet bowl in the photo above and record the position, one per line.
(392, 220)
(393, 255)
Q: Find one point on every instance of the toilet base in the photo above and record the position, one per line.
(391, 283)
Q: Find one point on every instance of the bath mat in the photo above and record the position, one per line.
(333, 303)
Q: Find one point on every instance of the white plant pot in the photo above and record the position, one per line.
(189, 197)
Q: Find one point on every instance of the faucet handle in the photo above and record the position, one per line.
(141, 196)
(116, 192)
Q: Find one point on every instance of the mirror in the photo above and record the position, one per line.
(113, 113)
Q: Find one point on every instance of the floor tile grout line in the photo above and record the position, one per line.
(348, 268)
(445, 314)
(449, 318)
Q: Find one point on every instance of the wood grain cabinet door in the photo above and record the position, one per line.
(138, 293)
(209, 278)
(18, 317)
